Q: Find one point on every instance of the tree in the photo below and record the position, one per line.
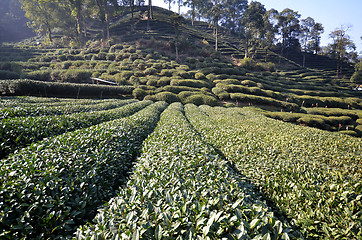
(288, 24)
(176, 21)
(357, 75)
(149, 14)
(170, 2)
(270, 30)
(342, 48)
(232, 15)
(41, 15)
(254, 27)
(192, 12)
(310, 32)
(314, 44)
(103, 13)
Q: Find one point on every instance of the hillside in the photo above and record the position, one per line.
(205, 146)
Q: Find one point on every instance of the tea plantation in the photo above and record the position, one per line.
(204, 145)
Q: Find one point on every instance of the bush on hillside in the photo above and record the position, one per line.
(168, 97)
(43, 75)
(190, 83)
(28, 87)
(139, 93)
(4, 74)
(201, 99)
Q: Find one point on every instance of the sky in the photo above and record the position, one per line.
(331, 14)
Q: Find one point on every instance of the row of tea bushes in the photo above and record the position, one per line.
(313, 176)
(16, 133)
(182, 189)
(29, 101)
(67, 108)
(51, 187)
(23, 87)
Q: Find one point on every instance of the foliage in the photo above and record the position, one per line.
(183, 189)
(21, 131)
(51, 187)
(313, 176)
(50, 89)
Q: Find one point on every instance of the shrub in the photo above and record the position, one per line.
(4, 74)
(178, 89)
(150, 71)
(164, 81)
(43, 75)
(77, 76)
(313, 122)
(211, 77)
(201, 99)
(249, 83)
(166, 72)
(126, 74)
(200, 76)
(51, 89)
(139, 93)
(163, 96)
(190, 83)
(185, 94)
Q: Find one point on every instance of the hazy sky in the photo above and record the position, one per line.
(331, 13)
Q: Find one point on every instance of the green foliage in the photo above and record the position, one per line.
(18, 132)
(50, 89)
(296, 167)
(55, 191)
(201, 99)
(139, 93)
(190, 83)
(168, 97)
(4, 74)
(183, 189)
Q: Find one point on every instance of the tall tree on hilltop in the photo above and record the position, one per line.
(103, 14)
(179, 3)
(193, 7)
(169, 2)
(149, 14)
(306, 28)
(254, 27)
(270, 30)
(342, 48)
(310, 32)
(176, 21)
(316, 33)
(233, 12)
(288, 24)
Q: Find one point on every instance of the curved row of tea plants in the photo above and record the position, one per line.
(16, 133)
(182, 189)
(51, 102)
(49, 188)
(25, 111)
(20, 100)
(312, 175)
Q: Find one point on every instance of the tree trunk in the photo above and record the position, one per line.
(192, 14)
(149, 14)
(216, 37)
(132, 19)
(303, 59)
(266, 55)
(106, 19)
